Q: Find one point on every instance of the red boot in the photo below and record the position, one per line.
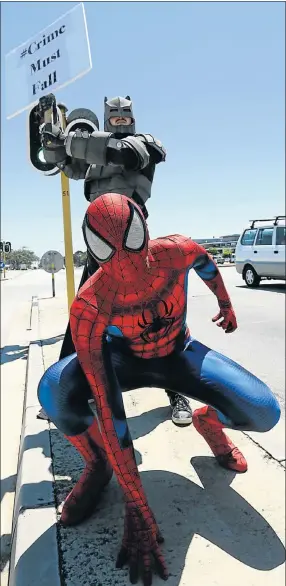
(85, 496)
(206, 422)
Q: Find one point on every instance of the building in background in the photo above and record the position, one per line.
(220, 244)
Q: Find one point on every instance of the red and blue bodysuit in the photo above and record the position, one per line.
(129, 329)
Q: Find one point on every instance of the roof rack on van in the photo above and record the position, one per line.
(274, 220)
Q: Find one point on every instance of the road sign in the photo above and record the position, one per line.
(2, 265)
(52, 261)
(52, 59)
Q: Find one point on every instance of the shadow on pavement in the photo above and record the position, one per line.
(11, 353)
(183, 509)
(7, 485)
(16, 352)
(216, 512)
(280, 288)
(5, 548)
(53, 340)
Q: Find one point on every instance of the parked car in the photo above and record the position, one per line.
(23, 267)
(260, 251)
(219, 260)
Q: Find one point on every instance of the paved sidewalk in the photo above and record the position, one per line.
(220, 529)
(14, 352)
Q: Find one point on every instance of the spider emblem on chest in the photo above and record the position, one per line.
(156, 321)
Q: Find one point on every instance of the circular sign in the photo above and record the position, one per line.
(2, 265)
(52, 261)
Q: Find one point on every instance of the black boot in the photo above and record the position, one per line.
(181, 409)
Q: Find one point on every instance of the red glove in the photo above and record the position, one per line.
(226, 316)
(140, 547)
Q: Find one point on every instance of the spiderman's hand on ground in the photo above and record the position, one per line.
(226, 317)
(140, 546)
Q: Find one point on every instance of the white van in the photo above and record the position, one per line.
(260, 251)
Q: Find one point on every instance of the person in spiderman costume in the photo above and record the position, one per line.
(116, 160)
(129, 329)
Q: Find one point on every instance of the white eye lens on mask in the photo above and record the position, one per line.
(98, 248)
(136, 233)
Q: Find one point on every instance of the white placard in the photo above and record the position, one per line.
(52, 59)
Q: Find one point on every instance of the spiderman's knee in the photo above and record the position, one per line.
(266, 411)
(63, 393)
(49, 391)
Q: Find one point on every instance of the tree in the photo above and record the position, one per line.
(227, 252)
(79, 258)
(213, 250)
(21, 256)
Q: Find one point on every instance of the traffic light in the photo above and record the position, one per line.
(35, 145)
(7, 247)
(1, 246)
(81, 118)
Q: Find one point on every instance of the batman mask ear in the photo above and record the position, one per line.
(127, 98)
(105, 99)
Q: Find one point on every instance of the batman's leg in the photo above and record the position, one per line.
(63, 393)
(181, 411)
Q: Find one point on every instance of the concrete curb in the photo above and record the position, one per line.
(34, 555)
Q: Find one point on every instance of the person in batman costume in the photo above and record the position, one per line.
(117, 160)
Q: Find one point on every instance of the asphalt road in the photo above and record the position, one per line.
(19, 288)
(259, 342)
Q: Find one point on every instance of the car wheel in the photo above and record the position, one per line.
(251, 277)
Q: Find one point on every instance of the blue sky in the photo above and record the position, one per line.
(207, 79)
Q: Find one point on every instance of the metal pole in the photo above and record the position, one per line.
(53, 279)
(4, 260)
(66, 219)
(67, 230)
(53, 284)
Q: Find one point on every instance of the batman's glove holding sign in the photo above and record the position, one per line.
(52, 135)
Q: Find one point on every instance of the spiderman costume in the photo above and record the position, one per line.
(129, 329)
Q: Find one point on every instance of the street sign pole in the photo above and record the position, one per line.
(3, 257)
(68, 239)
(66, 218)
(52, 262)
(4, 260)
(53, 280)
(67, 229)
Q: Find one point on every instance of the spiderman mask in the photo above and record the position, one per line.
(116, 236)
